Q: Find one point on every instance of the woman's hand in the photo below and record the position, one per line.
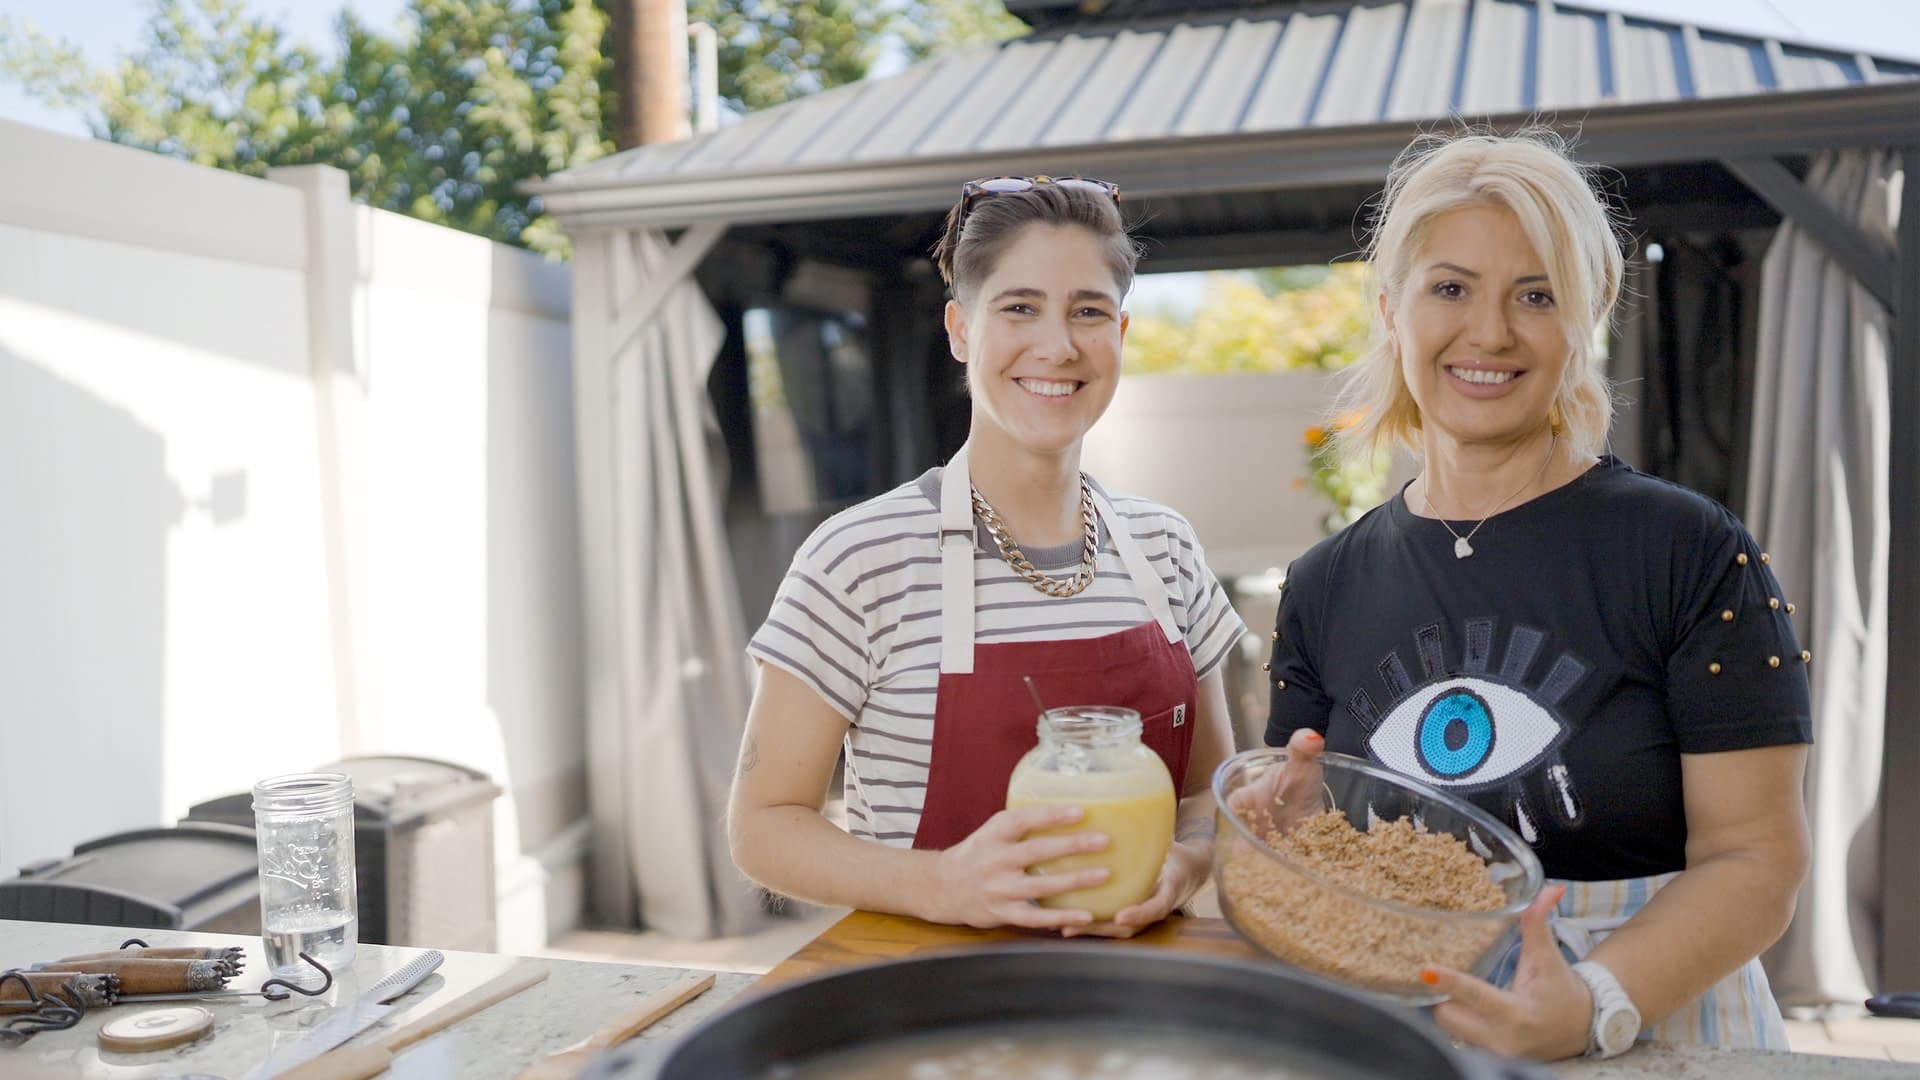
(1547, 1014)
(1281, 797)
(1181, 875)
(983, 881)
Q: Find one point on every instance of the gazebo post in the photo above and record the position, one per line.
(1900, 763)
(604, 325)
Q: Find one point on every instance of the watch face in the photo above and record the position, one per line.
(1617, 1030)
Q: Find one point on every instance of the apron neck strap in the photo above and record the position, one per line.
(956, 567)
(1146, 581)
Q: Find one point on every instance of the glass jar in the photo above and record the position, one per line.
(304, 829)
(1091, 756)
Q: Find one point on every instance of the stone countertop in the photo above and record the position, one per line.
(575, 999)
(1703, 1063)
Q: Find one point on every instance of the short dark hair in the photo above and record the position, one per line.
(968, 255)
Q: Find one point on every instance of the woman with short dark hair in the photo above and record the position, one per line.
(906, 626)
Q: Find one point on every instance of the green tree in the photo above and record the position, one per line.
(443, 119)
(481, 95)
(440, 122)
(777, 50)
(1270, 320)
(208, 83)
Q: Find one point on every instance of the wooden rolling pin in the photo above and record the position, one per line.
(567, 1063)
(361, 1062)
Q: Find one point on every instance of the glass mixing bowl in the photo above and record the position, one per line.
(1336, 931)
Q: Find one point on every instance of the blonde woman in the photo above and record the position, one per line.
(1597, 656)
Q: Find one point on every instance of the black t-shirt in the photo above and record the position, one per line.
(1554, 677)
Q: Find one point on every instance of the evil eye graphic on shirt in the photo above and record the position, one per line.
(1465, 733)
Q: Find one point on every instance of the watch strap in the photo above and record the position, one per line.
(1609, 1000)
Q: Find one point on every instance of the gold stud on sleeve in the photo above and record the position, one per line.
(1281, 683)
(1727, 615)
(1789, 609)
(1740, 559)
(1713, 668)
(1773, 603)
(1765, 558)
(1773, 661)
(1806, 657)
(1266, 667)
(1276, 635)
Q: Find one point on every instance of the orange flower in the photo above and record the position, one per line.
(1316, 435)
(1347, 420)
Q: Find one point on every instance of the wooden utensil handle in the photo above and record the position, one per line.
(139, 975)
(183, 952)
(359, 1062)
(648, 1010)
(345, 1063)
(481, 997)
(96, 991)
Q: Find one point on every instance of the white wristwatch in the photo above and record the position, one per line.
(1615, 1021)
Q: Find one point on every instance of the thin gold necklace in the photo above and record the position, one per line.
(1461, 547)
(1017, 559)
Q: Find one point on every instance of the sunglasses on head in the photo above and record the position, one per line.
(974, 190)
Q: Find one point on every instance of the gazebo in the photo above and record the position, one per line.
(1252, 134)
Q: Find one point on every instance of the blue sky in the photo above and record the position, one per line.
(105, 29)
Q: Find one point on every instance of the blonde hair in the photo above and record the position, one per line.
(1530, 174)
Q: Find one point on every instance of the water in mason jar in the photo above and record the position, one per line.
(327, 936)
(307, 892)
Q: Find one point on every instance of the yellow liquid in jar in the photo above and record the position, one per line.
(1135, 808)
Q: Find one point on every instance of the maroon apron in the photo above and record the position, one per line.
(984, 719)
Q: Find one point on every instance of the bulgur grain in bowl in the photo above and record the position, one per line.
(1362, 876)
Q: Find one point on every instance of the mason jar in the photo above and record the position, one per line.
(1091, 756)
(304, 829)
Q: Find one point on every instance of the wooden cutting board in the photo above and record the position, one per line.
(866, 937)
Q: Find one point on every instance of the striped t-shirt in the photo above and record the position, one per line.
(857, 618)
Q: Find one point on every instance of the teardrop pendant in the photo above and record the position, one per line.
(1461, 549)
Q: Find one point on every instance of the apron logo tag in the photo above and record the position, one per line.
(1179, 716)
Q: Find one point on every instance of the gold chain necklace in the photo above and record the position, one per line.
(1015, 558)
(1461, 547)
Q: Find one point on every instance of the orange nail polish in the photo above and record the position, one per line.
(1430, 977)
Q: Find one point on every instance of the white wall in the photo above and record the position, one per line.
(164, 624)
(281, 479)
(1228, 452)
(470, 589)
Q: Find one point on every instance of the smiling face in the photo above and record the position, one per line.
(1041, 339)
(1482, 343)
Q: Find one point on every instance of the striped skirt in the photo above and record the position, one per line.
(1738, 1012)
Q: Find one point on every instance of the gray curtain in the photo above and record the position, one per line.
(671, 683)
(1817, 501)
(1627, 362)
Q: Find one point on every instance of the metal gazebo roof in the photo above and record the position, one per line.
(1279, 95)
